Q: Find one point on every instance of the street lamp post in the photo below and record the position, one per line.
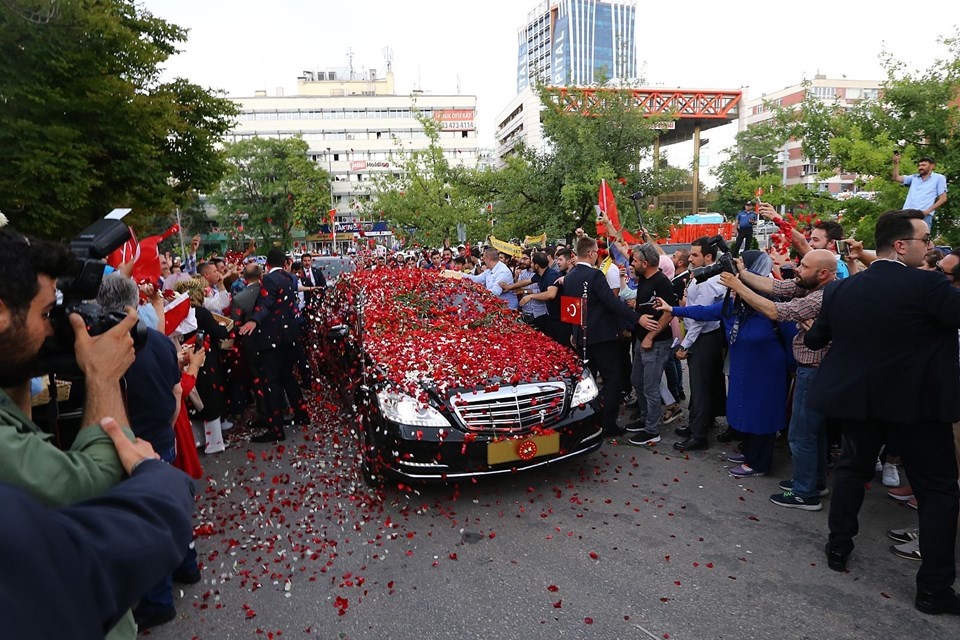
(782, 157)
(333, 221)
(760, 158)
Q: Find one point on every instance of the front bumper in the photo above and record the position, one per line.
(432, 454)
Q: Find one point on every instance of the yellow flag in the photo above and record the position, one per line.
(505, 247)
(540, 240)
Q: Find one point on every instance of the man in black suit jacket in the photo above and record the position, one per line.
(275, 328)
(312, 277)
(893, 368)
(606, 314)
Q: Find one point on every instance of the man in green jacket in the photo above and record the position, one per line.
(28, 272)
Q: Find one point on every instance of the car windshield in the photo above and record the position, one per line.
(334, 266)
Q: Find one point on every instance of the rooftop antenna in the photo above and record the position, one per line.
(350, 61)
(388, 57)
(458, 84)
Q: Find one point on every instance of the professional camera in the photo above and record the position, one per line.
(723, 263)
(77, 290)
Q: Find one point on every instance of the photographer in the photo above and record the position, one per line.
(28, 459)
(757, 395)
(703, 347)
(808, 428)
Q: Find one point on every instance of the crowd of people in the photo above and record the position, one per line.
(838, 345)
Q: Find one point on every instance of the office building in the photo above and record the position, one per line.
(575, 42)
(799, 168)
(354, 126)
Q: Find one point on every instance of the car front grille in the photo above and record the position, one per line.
(511, 409)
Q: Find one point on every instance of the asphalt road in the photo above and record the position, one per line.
(626, 543)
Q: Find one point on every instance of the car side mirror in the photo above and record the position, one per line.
(338, 332)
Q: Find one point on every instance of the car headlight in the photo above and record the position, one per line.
(403, 409)
(585, 391)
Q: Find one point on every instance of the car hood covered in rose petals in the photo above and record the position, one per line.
(420, 327)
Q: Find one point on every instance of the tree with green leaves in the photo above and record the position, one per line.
(428, 196)
(916, 112)
(87, 126)
(555, 190)
(271, 187)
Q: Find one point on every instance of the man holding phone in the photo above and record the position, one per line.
(826, 234)
(928, 190)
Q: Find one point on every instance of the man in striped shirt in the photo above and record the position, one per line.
(808, 434)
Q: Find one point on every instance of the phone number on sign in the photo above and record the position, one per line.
(456, 126)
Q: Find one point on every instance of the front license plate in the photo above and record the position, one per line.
(523, 448)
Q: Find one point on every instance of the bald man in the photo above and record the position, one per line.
(808, 429)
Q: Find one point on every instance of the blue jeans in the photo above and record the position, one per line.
(808, 439)
(929, 220)
(160, 597)
(645, 378)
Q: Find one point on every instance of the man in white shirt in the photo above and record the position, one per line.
(216, 298)
(495, 276)
(703, 344)
(928, 189)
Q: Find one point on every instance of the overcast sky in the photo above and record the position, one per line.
(439, 46)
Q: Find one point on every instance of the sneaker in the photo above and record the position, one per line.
(904, 535)
(912, 503)
(736, 458)
(791, 500)
(907, 550)
(787, 485)
(644, 438)
(635, 427)
(891, 477)
(672, 413)
(225, 425)
(901, 493)
(744, 471)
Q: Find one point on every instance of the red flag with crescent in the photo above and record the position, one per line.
(175, 312)
(571, 310)
(608, 205)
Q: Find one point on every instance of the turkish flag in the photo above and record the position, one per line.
(145, 254)
(571, 310)
(175, 312)
(608, 205)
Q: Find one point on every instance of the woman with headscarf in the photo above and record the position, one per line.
(210, 380)
(757, 393)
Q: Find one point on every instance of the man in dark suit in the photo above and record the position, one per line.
(606, 315)
(313, 279)
(893, 369)
(275, 328)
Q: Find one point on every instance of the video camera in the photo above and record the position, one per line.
(90, 247)
(723, 263)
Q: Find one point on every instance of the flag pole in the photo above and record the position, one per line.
(183, 247)
(583, 322)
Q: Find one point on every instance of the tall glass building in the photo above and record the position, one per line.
(574, 42)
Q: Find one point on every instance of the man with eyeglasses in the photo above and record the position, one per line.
(928, 189)
(949, 266)
(894, 368)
